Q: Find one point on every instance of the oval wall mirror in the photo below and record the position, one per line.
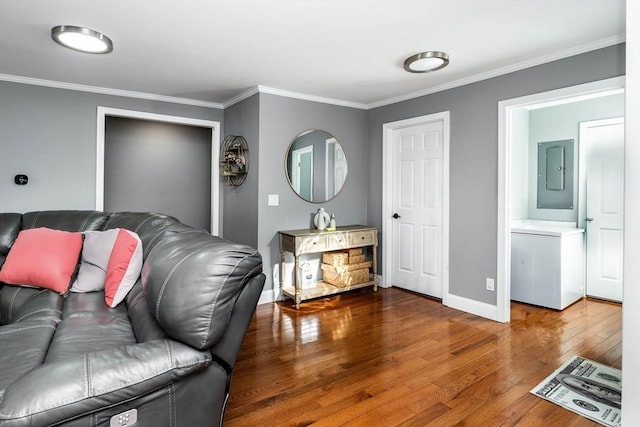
(316, 166)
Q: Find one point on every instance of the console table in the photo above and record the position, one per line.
(309, 241)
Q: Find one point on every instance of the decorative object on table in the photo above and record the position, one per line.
(321, 220)
(307, 280)
(234, 160)
(332, 223)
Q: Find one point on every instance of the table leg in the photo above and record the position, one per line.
(297, 281)
(282, 270)
(375, 268)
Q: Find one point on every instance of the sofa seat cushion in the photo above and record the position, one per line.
(88, 325)
(23, 347)
(21, 304)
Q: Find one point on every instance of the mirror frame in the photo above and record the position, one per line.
(288, 175)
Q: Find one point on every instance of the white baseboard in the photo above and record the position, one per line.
(382, 283)
(472, 306)
(268, 296)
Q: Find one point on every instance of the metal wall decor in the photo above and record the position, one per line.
(234, 160)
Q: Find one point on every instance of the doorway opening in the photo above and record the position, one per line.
(103, 113)
(510, 115)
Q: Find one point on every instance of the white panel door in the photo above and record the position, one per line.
(604, 142)
(417, 200)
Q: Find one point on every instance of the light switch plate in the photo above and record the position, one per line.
(274, 200)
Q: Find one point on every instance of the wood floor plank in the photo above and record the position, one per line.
(394, 358)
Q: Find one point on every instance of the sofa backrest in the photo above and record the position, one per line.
(10, 224)
(190, 280)
(65, 220)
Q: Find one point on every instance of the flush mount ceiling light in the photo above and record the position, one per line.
(426, 62)
(81, 39)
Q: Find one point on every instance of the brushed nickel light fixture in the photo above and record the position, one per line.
(81, 39)
(426, 62)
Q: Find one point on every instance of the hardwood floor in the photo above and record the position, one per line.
(393, 358)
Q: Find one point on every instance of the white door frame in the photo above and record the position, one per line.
(103, 112)
(505, 113)
(329, 192)
(387, 188)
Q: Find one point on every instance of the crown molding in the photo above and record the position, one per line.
(577, 50)
(241, 97)
(620, 38)
(108, 91)
(290, 94)
(314, 98)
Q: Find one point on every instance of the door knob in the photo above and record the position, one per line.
(588, 219)
(396, 216)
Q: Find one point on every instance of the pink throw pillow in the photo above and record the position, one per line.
(123, 269)
(43, 258)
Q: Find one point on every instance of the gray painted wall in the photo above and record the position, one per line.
(281, 120)
(240, 217)
(474, 156)
(50, 135)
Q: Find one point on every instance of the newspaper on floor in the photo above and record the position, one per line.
(588, 388)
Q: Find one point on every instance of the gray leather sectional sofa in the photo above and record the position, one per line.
(163, 357)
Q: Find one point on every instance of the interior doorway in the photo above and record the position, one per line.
(214, 132)
(416, 204)
(509, 111)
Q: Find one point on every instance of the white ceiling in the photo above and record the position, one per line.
(348, 50)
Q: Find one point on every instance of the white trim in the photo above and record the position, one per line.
(387, 188)
(610, 41)
(478, 308)
(598, 44)
(313, 98)
(329, 192)
(505, 112)
(108, 91)
(268, 296)
(240, 97)
(102, 112)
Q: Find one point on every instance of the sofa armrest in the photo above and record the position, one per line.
(55, 392)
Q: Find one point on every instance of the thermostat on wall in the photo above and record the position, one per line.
(21, 179)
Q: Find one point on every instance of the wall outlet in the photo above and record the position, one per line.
(491, 284)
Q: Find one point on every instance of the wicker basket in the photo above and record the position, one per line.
(347, 267)
(354, 252)
(356, 259)
(348, 278)
(335, 258)
(347, 256)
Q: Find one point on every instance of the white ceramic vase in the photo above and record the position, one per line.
(321, 220)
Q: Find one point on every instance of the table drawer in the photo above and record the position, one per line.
(311, 244)
(337, 241)
(362, 238)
